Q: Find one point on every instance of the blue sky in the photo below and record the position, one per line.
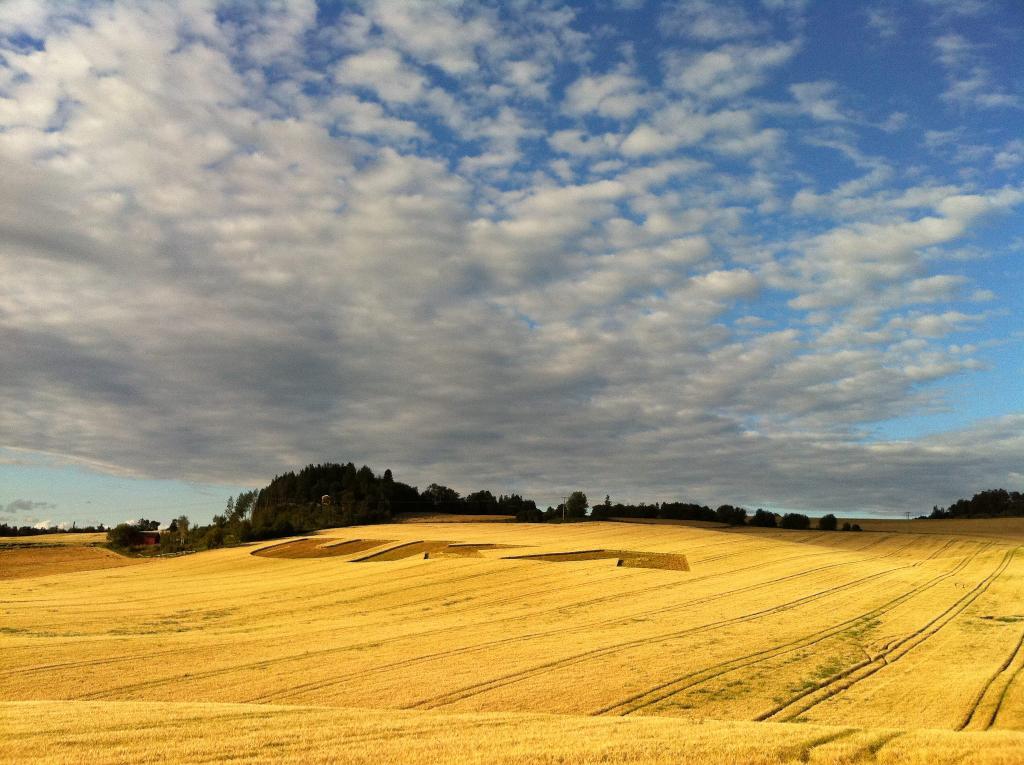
(763, 252)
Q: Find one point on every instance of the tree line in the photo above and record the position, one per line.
(332, 495)
(727, 514)
(992, 503)
(7, 530)
(321, 496)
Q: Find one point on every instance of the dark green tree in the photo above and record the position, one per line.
(734, 516)
(576, 506)
(124, 536)
(795, 521)
(763, 518)
(481, 503)
(442, 498)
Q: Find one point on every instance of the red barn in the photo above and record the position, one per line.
(149, 538)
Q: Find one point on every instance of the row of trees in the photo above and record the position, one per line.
(993, 503)
(728, 514)
(332, 494)
(318, 497)
(7, 530)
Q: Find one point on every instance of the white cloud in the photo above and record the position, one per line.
(960, 7)
(618, 95)
(382, 71)
(434, 33)
(1011, 155)
(815, 99)
(883, 20)
(706, 20)
(934, 325)
(735, 132)
(969, 79)
(726, 284)
(839, 266)
(368, 119)
(725, 72)
(24, 17)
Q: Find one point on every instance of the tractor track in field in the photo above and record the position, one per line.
(265, 664)
(362, 581)
(488, 685)
(465, 650)
(498, 602)
(306, 605)
(662, 691)
(155, 654)
(541, 576)
(802, 751)
(293, 657)
(869, 751)
(1003, 669)
(359, 578)
(1002, 699)
(734, 553)
(593, 601)
(752, 548)
(843, 681)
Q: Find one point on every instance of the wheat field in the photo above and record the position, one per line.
(498, 642)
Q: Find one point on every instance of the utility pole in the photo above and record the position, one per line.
(565, 505)
(908, 516)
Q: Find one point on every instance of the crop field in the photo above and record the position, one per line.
(500, 642)
(55, 553)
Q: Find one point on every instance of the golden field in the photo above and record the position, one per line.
(500, 642)
(71, 539)
(49, 554)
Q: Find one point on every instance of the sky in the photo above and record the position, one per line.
(766, 253)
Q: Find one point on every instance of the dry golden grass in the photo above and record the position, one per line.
(318, 547)
(405, 550)
(990, 528)
(873, 642)
(113, 733)
(91, 538)
(18, 561)
(453, 518)
(627, 558)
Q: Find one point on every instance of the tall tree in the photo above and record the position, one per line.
(181, 527)
(577, 504)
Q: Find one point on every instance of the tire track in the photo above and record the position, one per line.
(514, 677)
(665, 690)
(987, 721)
(540, 575)
(1002, 698)
(301, 606)
(499, 602)
(849, 677)
(466, 650)
(603, 599)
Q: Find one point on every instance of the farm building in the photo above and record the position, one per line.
(149, 538)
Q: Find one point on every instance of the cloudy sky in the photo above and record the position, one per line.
(763, 252)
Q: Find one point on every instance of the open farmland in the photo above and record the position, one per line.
(49, 554)
(774, 646)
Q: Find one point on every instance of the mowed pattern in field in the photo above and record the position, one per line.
(843, 631)
(19, 560)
